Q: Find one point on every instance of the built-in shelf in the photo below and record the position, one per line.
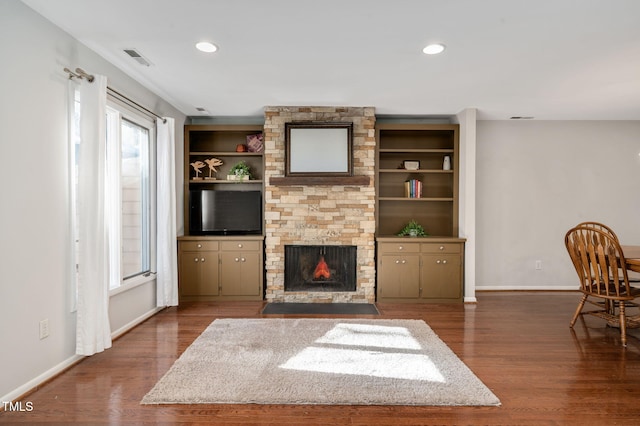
(415, 199)
(405, 171)
(320, 180)
(224, 181)
(227, 153)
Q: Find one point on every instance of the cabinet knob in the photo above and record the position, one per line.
(196, 259)
(404, 261)
(400, 248)
(437, 261)
(199, 245)
(397, 262)
(444, 261)
(441, 247)
(202, 260)
(243, 259)
(237, 260)
(240, 245)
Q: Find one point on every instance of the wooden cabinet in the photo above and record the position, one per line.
(425, 146)
(198, 268)
(420, 270)
(241, 268)
(221, 268)
(441, 271)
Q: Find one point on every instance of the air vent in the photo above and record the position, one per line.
(202, 110)
(137, 56)
(517, 117)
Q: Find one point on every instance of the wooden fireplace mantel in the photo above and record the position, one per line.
(320, 180)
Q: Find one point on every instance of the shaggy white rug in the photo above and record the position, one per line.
(319, 361)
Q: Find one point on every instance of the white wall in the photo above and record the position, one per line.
(535, 180)
(35, 271)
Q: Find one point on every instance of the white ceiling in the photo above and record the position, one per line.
(549, 59)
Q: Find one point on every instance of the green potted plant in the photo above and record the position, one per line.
(240, 171)
(413, 229)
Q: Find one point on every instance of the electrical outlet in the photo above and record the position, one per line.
(538, 265)
(44, 328)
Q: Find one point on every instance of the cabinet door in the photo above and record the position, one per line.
(240, 273)
(198, 273)
(399, 276)
(441, 276)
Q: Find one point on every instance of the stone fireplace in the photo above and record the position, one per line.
(320, 214)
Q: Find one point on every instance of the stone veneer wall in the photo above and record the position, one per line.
(320, 215)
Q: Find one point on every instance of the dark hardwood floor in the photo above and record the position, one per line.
(518, 343)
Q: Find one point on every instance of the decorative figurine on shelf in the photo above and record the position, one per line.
(212, 163)
(197, 165)
(413, 229)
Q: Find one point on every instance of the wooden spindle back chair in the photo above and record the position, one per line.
(600, 264)
(633, 277)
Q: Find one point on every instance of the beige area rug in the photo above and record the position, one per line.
(319, 361)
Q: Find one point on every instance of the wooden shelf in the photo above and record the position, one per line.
(415, 199)
(427, 144)
(227, 153)
(415, 151)
(405, 171)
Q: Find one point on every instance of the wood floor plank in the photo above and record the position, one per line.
(518, 343)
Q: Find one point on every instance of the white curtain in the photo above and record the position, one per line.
(93, 332)
(167, 259)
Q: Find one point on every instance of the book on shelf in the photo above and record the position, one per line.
(413, 188)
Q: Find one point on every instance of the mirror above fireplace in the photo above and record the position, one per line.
(318, 149)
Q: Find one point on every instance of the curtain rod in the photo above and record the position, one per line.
(80, 74)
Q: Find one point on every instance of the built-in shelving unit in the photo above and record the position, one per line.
(414, 269)
(220, 267)
(427, 144)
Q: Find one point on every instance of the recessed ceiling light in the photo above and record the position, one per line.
(205, 46)
(434, 49)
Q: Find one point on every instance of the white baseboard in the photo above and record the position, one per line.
(54, 371)
(32, 384)
(119, 332)
(525, 288)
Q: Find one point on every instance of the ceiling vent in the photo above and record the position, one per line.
(137, 56)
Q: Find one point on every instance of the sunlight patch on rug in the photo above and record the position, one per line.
(365, 363)
(319, 361)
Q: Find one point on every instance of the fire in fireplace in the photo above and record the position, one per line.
(320, 268)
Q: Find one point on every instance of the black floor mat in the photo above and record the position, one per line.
(321, 308)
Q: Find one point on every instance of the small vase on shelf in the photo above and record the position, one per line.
(446, 164)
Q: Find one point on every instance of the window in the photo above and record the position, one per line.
(130, 194)
(130, 185)
(136, 199)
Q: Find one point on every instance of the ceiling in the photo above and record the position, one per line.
(547, 59)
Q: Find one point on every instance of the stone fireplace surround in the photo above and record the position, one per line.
(320, 214)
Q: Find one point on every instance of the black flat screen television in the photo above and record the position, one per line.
(225, 212)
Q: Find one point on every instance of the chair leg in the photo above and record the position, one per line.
(578, 310)
(623, 324)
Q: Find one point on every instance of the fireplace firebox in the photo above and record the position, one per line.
(320, 268)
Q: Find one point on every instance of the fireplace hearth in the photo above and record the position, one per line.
(320, 268)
